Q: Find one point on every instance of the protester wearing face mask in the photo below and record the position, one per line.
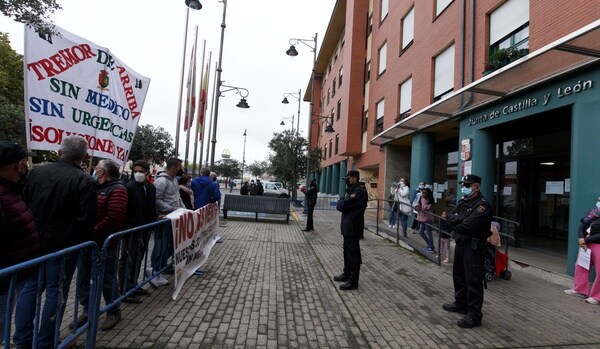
(589, 238)
(141, 209)
(470, 221)
(20, 241)
(403, 198)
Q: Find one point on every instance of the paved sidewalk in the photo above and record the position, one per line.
(269, 285)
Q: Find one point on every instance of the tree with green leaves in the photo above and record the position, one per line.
(12, 117)
(258, 168)
(34, 13)
(153, 144)
(287, 157)
(228, 168)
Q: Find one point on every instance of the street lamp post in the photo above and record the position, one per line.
(285, 101)
(292, 52)
(243, 158)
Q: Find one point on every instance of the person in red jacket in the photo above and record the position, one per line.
(112, 206)
(19, 239)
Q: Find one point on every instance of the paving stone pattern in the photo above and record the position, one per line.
(269, 285)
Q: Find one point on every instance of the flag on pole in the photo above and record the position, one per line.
(190, 105)
(203, 102)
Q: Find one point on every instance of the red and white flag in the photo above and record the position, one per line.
(203, 102)
(190, 106)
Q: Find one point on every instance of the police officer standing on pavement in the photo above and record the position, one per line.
(470, 221)
(352, 208)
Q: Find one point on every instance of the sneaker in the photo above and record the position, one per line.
(393, 227)
(592, 301)
(159, 281)
(572, 292)
(428, 250)
(389, 225)
(446, 261)
(111, 321)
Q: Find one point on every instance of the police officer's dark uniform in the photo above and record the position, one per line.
(311, 200)
(470, 221)
(352, 208)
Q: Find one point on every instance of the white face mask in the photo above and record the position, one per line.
(139, 177)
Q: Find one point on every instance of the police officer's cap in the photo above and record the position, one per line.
(470, 179)
(352, 174)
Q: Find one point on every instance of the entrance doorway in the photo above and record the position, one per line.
(533, 179)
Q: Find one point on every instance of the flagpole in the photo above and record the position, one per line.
(200, 107)
(187, 17)
(189, 111)
(200, 133)
(212, 104)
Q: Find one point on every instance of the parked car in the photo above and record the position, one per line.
(275, 189)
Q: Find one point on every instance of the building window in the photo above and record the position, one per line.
(370, 24)
(333, 88)
(444, 73)
(325, 152)
(382, 59)
(379, 107)
(408, 28)
(405, 99)
(339, 109)
(330, 147)
(341, 76)
(365, 123)
(328, 95)
(509, 30)
(368, 71)
(384, 10)
(337, 144)
(440, 6)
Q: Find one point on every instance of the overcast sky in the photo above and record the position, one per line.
(150, 39)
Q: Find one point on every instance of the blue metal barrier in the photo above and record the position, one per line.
(38, 278)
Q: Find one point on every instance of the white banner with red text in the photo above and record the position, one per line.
(194, 235)
(75, 87)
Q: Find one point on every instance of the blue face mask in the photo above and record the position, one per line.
(598, 204)
(466, 191)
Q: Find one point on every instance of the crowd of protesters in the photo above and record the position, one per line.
(59, 205)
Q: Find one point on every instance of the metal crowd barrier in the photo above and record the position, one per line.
(122, 262)
(327, 202)
(39, 265)
(373, 217)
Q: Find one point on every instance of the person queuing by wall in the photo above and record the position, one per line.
(352, 206)
(311, 199)
(231, 184)
(252, 188)
(62, 221)
(425, 208)
(393, 211)
(20, 239)
(260, 190)
(141, 210)
(244, 189)
(205, 189)
(167, 201)
(470, 220)
(446, 235)
(416, 196)
(404, 206)
(588, 239)
(110, 219)
(185, 191)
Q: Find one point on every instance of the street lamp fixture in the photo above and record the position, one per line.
(329, 125)
(292, 52)
(243, 158)
(193, 4)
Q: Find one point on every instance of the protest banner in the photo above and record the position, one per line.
(194, 235)
(75, 87)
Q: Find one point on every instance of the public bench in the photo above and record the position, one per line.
(256, 204)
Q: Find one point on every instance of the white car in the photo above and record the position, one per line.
(275, 189)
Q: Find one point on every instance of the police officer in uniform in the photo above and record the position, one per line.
(352, 208)
(470, 221)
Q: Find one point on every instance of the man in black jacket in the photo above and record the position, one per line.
(63, 200)
(352, 208)
(311, 201)
(470, 221)
(141, 210)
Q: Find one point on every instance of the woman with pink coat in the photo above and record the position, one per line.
(425, 208)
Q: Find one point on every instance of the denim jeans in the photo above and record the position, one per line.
(403, 217)
(57, 282)
(429, 237)
(393, 215)
(163, 247)
(6, 304)
(108, 291)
